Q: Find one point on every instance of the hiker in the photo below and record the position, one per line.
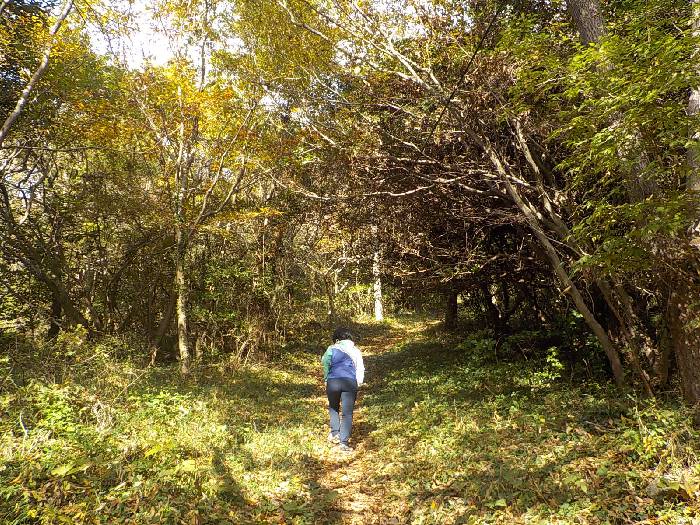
(343, 372)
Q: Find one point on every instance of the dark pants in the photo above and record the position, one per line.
(341, 391)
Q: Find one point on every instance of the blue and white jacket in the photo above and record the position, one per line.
(343, 360)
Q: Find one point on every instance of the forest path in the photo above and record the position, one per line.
(349, 475)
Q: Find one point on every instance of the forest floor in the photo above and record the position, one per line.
(446, 431)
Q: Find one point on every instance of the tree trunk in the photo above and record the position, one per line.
(330, 297)
(27, 91)
(181, 302)
(638, 331)
(165, 321)
(590, 23)
(567, 284)
(570, 288)
(663, 364)
(199, 348)
(693, 155)
(685, 341)
(626, 320)
(74, 315)
(588, 19)
(55, 320)
(378, 300)
(451, 310)
(493, 316)
(181, 242)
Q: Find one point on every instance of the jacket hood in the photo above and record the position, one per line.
(345, 344)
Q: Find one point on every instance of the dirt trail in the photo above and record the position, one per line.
(359, 503)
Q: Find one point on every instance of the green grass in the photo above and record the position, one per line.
(227, 446)
(466, 440)
(445, 434)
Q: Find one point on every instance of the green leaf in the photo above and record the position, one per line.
(63, 469)
(500, 503)
(189, 465)
(153, 450)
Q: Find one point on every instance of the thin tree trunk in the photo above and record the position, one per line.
(181, 291)
(648, 348)
(60, 294)
(626, 322)
(663, 364)
(378, 300)
(181, 243)
(693, 155)
(167, 318)
(557, 265)
(55, 319)
(330, 296)
(26, 92)
(493, 316)
(199, 347)
(451, 310)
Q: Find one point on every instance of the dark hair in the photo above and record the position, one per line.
(341, 333)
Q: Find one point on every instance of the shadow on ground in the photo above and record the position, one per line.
(455, 436)
(444, 434)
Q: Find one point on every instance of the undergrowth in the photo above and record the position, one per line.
(449, 434)
(465, 438)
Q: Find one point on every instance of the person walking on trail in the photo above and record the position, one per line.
(343, 372)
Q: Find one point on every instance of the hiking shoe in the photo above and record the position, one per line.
(345, 448)
(335, 439)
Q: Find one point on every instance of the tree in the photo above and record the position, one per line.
(30, 171)
(588, 18)
(38, 73)
(543, 192)
(693, 184)
(376, 275)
